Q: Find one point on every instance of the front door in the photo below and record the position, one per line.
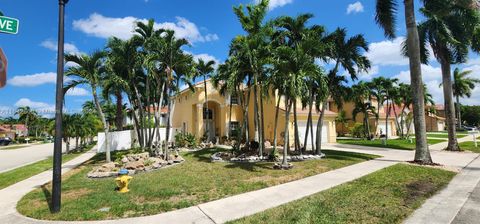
(209, 122)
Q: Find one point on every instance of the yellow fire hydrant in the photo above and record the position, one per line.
(122, 181)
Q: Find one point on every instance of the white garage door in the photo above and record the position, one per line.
(302, 128)
(382, 127)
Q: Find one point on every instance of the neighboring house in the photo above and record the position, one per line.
(128, 120)
(6, 132)
(435, 119)
(440, 110)
(190, 114)
(381, 127)
(19, 130)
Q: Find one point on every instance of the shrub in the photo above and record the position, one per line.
(358, 131)
(185, 140)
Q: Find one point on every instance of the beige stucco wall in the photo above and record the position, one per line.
(189, 106)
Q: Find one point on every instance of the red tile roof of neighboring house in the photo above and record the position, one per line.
(164, 110)
(439, 107)
(19, 127)
(5, 129)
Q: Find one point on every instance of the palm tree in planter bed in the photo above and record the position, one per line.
(386, 13)
(451, 29)
(89, 72)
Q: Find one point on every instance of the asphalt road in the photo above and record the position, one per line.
(470, 212)
(11, 159)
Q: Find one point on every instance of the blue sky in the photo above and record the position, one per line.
(209, 25)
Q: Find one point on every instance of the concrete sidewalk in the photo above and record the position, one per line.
(241, 205)
(443, 145)
(450, 203)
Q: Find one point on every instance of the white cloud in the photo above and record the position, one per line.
(40, 107)
(104, 27)
(388, 52)
(432, 77)
(206, 58)
(278, 3)
(69, 48)
(356, 7)
(475, 99)
(474, 61)
(33, 80)
(77, 92)
(6, 111)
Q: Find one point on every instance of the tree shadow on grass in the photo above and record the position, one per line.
(48, 197)
(342, 155)
(253, 167)
(204, 154)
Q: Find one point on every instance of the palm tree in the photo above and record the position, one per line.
(27, 115)
(362, 98)
(450, 29)
(204, 69)
(125, 75)
(177, 65)
(345, 53)
(342, 119)
(255, 51)
(386, 12)
(89, 71)
(462, 87)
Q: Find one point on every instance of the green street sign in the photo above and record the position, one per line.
(8, 25)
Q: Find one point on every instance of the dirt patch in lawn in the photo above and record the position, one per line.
(74, 194)
(417, 190)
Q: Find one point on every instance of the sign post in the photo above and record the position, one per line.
(9, 25)
(474, 135)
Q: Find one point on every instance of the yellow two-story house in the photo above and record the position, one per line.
(191, 113)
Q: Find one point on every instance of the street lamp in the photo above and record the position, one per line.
(57, 147)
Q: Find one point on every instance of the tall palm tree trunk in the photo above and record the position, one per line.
(229, 118)
(459, 112)
(105, 124)
(167, 131)
(275, 139)
(422, 153)
(449, 106)
(386, 123)
(286, 145)
(319, 129)
(207, 131)
(256, 117)
(295, 122)
(309, 120)
(119, 115)
(262, 125)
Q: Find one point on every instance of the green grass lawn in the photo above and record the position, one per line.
(470, 146)
(14, 176)
(193, 182)
(392, 143)
(444, 135)
(386, 196)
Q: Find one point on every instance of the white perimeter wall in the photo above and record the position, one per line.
(123, 140)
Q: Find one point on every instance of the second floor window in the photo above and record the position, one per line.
(234, 100)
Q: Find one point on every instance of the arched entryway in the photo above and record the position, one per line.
(211, 120)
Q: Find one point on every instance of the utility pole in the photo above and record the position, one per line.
(57, 148)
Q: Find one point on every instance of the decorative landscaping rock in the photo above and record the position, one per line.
(228, 157)
(178, 159)
(279, 166)
(134, 163)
